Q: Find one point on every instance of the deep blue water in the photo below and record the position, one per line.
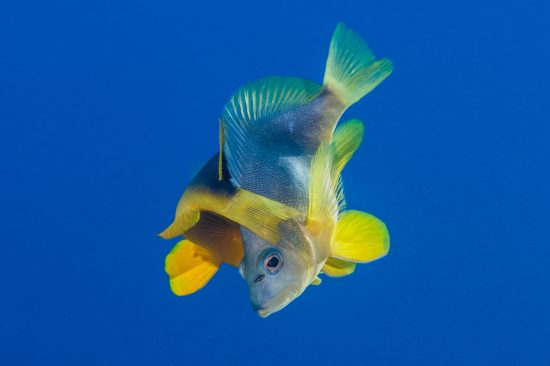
(107, 109)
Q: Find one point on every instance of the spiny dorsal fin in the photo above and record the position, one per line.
(255, 102)
(351, 70)
(257, 213)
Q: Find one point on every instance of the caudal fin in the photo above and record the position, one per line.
(352, 70)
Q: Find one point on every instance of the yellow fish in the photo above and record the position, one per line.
(279, 186)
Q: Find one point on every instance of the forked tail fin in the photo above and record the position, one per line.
(352, 70)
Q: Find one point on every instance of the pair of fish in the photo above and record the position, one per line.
(271, 202)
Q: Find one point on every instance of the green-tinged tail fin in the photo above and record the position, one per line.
(360, 238)
(352, 70)
(190, 267)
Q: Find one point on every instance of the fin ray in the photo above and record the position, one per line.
(257, 101)
(360, 237)
(351, 70)
(323, 204)
(258, 213)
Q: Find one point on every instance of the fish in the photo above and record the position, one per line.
(271, 201)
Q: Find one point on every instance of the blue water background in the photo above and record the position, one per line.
(108, 108)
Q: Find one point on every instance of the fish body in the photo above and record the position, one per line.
(272, 200)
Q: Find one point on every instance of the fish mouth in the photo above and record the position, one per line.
(263, 312)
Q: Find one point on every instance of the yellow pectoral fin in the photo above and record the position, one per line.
(360, 237)
(323, 203)
(316, 281)
(190, 267)
(338, 268)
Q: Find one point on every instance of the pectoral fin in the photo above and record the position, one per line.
(323, 203)
(360, 237)
(316, 281)
(190, 267)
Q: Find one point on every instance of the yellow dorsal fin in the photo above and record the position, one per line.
(338, 268)
(257, 213)
(323, 205)
(360, 237)
(190, 267)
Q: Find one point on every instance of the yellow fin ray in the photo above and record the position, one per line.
(360, 237)
(257, 213)
(190, 267)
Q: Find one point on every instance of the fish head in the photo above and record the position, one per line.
(277, 273)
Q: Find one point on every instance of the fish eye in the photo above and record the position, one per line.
(273, 262)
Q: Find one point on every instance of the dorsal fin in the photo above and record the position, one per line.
(255, 102)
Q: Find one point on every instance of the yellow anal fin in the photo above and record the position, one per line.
(360, 238)
(338, 268)
(190, 267)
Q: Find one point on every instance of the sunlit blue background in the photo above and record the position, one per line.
(108, 108)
